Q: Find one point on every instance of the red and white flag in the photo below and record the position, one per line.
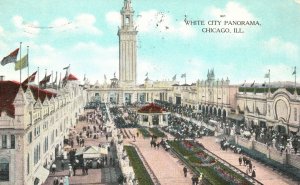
(31, 78)
(12, 57)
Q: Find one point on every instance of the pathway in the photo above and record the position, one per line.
(264, 174)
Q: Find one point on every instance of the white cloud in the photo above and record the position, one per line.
(113, 18)
(1, 32)
(24, 28)
(278, 46)
(82, 23)
(232, 11)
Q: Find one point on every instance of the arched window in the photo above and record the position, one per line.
(4, 170)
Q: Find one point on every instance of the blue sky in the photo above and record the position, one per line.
(84, 35)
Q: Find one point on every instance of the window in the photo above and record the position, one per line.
(295, 114)
(4, 141)
(4, 170)
(127, 20)
(12, 141)
(29, 137)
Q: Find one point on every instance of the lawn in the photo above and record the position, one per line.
(141, 174)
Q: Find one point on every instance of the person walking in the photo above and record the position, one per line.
(240, 160)
(53, 168)
(185, 171)
(55, 182)
(61, 181)
(253, 174)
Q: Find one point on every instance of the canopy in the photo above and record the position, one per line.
(41, 174)
(91, 152)
(237, 117)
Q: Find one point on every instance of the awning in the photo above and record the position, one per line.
(41, 174)
(237, 117)
(213, 122)
(293, 129)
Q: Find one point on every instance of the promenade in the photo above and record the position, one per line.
(104, 176)
(167, 169)
(264, 174)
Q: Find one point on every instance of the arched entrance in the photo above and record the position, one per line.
(219, 113)
(224, 115)
(215, 111)
(210, 110)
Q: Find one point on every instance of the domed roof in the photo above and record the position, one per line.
(151, 108)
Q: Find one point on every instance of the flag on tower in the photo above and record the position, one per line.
(146, 74)
(174, 78)
(183, 75)
(12, 57)
(267, 75)
(22, 63)
(294, 72)
(253, 84)
(243, 84)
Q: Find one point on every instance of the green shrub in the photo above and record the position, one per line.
(141, 174)
(144, 132)
(157, 132)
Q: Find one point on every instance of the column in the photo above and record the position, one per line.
(0, 141)
(160, 119)
(150, 121)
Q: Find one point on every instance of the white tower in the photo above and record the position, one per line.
(127, 46)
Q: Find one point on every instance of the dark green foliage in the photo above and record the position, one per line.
(140, 171)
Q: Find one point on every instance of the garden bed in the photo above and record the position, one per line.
(155, 131)
(144, 132)
(214, 171)
(141, 174)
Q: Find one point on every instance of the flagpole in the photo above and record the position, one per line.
(28, 62)
(185, 79)
(38, 81)
(20, 60)
(295, 80)
(52, 77)
(269, 80)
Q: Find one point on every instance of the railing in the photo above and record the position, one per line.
(152, 175)
(233, 168)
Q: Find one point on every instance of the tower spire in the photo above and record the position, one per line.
(127, 46)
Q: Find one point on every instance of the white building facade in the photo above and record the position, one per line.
(31, 136)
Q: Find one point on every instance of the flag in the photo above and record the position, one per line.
(66, 68)
(267, 75)
(253, 84)
(45, 80)
(12, 57)
(146, 74)
(174, 78)
(183, 75)
(294, 72)
(20, 64)
(243, 84)
(31, 78)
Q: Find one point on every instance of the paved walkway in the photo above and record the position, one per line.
(107, 175)
(264, 173)
(167, 169)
